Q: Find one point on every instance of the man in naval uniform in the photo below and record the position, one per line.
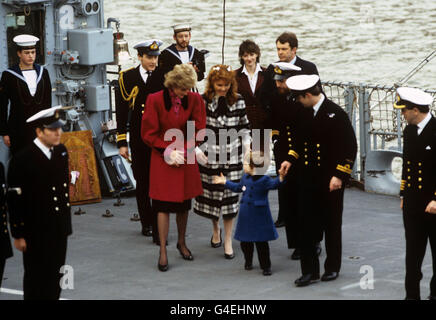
(324, 151)
(38, 200)
(182, 52)
(287, 45)
(418, 185)
(5, 241)
(282, 118)
(135, 85)
(27, 87)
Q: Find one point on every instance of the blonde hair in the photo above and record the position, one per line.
(222, 72)
(183, 76)
(256, 162)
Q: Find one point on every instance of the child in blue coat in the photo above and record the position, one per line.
(255, 224)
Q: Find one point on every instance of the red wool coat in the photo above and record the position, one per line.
(169, 183)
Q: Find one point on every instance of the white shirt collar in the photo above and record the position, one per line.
(143, 71)
(43, 148)
(293, 60)
(258, 69)
(318, 105)
(144, 74)
(423, 123)
(252, 81)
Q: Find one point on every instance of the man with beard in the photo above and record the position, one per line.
(135, 85)
(287, 45)
(182, 52)
(283, 114)
(27, 87)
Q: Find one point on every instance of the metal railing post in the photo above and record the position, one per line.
(399, 130)
(365, 143)
(349, 102)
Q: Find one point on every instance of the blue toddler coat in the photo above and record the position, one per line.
(255, 222)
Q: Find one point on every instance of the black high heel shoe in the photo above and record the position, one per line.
(162, 267)
(228, 256)
(189, 257)
(218, 244)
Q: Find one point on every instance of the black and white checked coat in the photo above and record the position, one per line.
(225, 156)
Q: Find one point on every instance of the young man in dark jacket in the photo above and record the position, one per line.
(39, 207)
(323, 154)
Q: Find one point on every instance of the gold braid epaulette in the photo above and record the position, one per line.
(128, 96)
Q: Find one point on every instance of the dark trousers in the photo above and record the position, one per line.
(42, 264)
(420, 227)
(283, 202)
(310, 224)
(141, 171)
(282, 192)
(333, 230)
(320, 211)
(290, 213)
(2, 269)
(262, 253)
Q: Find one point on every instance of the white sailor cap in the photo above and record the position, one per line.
(149, 47)
(181, 27)
(302, 82)
(48, 118)
(412, 97)
(26, 40)
(283, 70)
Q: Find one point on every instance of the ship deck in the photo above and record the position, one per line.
(112, 260)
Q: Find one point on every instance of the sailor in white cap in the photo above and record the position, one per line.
(27, 87)
(418, 185)
(183, 52)
(135, 85)
(39, 207)
(323, 156)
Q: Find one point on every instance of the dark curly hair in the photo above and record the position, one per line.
(248, 46)
(288, 37)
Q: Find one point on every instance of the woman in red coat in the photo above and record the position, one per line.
(170, 124)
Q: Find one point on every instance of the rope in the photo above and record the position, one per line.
(224, 31)
(417, 68)
(409, 75)
(126, 96)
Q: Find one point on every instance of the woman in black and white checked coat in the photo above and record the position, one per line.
(226, 120)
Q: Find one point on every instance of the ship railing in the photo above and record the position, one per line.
(378, 128)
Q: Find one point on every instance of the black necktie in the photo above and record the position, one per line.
(414, 130)
(148, 75)
(311, 111)
(51, 153)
